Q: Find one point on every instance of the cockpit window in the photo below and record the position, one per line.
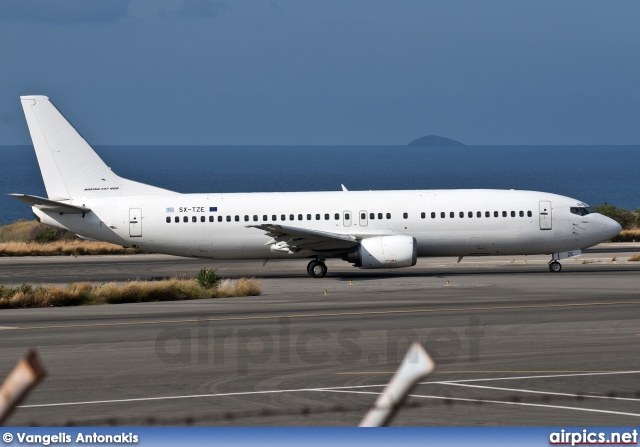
(581, 210)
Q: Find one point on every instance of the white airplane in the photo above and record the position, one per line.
(370, 229)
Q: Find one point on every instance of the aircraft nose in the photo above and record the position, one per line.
(610, 228)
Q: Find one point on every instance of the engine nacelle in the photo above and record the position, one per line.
(384, 252)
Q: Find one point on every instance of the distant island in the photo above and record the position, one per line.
(435, 141)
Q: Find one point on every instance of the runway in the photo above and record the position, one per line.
(514, 343)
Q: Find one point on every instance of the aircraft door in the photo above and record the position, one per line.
(135, 222)
(346, 218)
(363, 218)
(545, 215)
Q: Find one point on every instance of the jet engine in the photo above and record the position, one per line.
(383, 252)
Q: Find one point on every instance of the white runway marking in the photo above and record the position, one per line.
(601, 373)
(517, 390)
(485, 401)
(298, 390)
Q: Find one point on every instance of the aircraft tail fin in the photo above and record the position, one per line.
(70, 167)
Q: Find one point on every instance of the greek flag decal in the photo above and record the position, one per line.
(170, 210)
(213, 209)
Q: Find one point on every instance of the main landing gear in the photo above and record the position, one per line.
(555, 266)
(317, 269)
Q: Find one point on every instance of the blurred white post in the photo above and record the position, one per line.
(416, 366)
(27, 373)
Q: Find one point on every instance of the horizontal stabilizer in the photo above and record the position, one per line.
(50, 205)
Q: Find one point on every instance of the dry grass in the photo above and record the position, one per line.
(30, 238)
(86, 293)
(77, 247)
(627, 236)
(33, 231)
(634, 258)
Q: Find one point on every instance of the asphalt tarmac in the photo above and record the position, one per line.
(514, 344)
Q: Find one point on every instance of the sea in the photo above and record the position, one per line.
(592, 174)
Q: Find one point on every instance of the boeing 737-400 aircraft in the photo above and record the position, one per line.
(370, 229)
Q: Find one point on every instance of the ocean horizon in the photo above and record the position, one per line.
(594, 174)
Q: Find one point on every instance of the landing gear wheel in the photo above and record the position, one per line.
(309, 267)
(317, 269)
(555, 266)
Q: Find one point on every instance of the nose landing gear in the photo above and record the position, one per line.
(317, 269)
(555, 266)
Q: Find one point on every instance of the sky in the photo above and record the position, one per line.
(330, 72)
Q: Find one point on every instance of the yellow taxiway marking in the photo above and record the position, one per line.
(325, 315)
(538, 371)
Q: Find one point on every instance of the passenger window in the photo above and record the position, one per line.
(388, 215)
(372, 216)
(202, 218)
(194, 219)
(461, 213)
(336, 216)
(168, 219)
(487, 214)
(504, 214)
(265, 217)
(479, 214)
(177, 219)
(185, 219)
(308, 216)
(246, 218)
(255, 218)
(405, 215)
(274, 217)
(228, 218)
(452, 214)
(299, 216)
(442, 214)
(219, 218)
(521, 213)
(291, 217)
(495, 214)
(326, 216)
(529, 214)
(470, 214)
(379, 215)
(283, 217)
(237, 218)
(513, 214)
(433, 215)
(423, 214)
(363, 216)
(211, 218)
(317, 216)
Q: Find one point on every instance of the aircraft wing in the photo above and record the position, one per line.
(50, 205)
(293, 239)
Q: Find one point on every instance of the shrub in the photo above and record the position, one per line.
(47, 236)
(207, 278)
